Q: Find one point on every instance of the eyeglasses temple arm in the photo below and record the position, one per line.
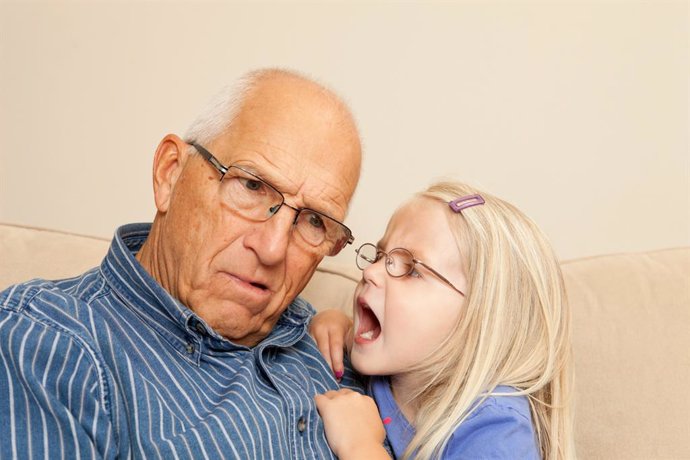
(441, 277)
(208, 156)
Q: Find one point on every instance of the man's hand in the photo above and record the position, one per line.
(332, 330)
(353, 425)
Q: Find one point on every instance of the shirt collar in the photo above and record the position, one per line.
(170, 318)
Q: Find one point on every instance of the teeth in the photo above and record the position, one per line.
(367, 335)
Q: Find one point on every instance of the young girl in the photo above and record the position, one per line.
(462, 323)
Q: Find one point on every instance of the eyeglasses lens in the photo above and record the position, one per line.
(366, 255)
(250, 197)
(399, 263)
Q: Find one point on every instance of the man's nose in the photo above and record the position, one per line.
(270, 239)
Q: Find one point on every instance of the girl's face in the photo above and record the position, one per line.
(400, 321)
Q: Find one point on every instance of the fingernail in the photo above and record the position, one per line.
(339, 374)
(386, 420)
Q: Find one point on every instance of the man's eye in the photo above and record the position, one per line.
(316, 221)
(253, 185)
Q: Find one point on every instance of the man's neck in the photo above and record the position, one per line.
(149, 258)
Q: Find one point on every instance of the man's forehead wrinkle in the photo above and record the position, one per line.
(335, 200)
(271, 172)
(299, 191)
(319, 195)
(285, 168)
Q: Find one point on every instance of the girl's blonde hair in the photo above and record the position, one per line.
(514, 329)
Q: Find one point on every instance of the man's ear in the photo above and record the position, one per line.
(170, 158)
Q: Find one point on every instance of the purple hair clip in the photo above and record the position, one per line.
(465, 202)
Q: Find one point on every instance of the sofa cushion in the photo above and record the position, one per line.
(631, 346)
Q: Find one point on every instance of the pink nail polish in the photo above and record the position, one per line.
(386, 420)
(339, 374)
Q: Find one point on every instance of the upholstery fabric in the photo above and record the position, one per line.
(631, 346)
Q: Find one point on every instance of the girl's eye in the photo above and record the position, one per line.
(414, 273)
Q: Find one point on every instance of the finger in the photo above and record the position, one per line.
(332, 394)
(323, 345)
(350, 338)
(321, 403)
(323, 400)
(336, 350)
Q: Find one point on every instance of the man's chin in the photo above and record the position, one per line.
(239, 324)
(248, 338)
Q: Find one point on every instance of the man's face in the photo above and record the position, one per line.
(236, 274)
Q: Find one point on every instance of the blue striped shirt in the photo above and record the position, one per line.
(108, 364)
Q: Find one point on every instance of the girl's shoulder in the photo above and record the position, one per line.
(503, 400)
(499, 427)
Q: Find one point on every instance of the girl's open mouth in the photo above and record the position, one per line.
(368, 326)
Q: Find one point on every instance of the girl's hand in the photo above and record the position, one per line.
(332, 330)
(353, 425)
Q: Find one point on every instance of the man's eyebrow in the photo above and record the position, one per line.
(261, 175)
(251, 169)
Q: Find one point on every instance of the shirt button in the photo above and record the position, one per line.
(199, 328)
(301, 424)
(190, 348)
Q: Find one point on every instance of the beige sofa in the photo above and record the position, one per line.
(631, 318)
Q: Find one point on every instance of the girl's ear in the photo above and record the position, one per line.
(171, 156)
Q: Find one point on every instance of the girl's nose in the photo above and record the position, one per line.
(374, 273)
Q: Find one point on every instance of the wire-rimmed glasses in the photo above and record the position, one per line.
(255, 199)
(399, 262)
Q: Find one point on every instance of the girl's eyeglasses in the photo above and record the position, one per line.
(399, 262)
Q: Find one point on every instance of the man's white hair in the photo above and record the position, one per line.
(219, 114)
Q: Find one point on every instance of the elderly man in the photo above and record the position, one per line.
(189, 340)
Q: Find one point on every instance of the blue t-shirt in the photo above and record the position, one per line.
(499, 428)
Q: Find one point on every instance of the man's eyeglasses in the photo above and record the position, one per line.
(255, 199)
(398, 262)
